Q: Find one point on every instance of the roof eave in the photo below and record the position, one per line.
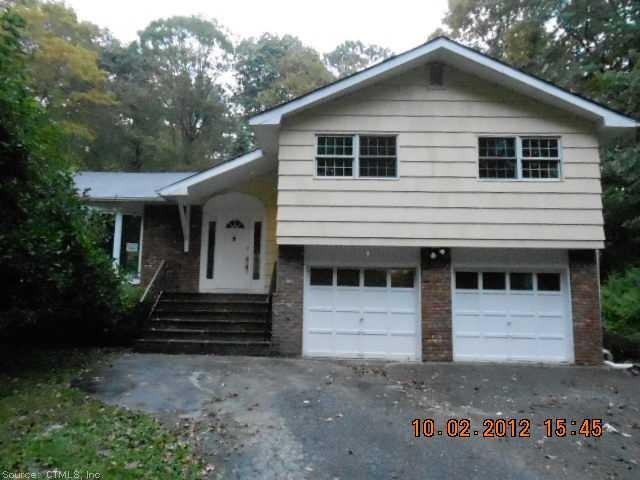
(607, 118)
(181, 188)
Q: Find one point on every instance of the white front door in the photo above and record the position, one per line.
(232, 253)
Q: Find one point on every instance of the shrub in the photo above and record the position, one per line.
(621, 302)
(58, 282)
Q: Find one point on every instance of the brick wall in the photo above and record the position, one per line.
(163, 240)
(436, 306)
(585, 304)
(286, 330)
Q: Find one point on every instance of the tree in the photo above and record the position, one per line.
(589, 47)
(187, 57)
(56, 277)
(352, 56)
(132, 134)
(63, 67)
(271, 70)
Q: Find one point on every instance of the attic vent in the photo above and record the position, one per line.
(436, 75)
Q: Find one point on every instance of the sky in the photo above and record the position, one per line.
(398, 25)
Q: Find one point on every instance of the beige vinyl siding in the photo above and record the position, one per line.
(438, 198)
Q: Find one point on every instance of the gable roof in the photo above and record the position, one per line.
(216, 177)
(124, 186)
(459, 56)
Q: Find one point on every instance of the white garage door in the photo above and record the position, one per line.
(511, 316)
(361, 312)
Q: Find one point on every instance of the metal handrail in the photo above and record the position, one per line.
(153, 281)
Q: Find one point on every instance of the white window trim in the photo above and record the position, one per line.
(519, 177)
(355, 156)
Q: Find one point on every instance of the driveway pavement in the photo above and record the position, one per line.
(269, 418)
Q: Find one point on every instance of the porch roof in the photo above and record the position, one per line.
(219, 177)
(125, 186)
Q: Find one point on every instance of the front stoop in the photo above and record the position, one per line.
(205, 323)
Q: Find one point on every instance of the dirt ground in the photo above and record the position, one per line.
(272, 418)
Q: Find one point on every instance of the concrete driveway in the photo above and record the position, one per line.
(266, 418)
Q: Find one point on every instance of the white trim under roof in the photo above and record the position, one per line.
(181, 188)
(451, 52)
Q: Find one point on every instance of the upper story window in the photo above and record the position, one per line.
(335, 156)
(358, 156)
(519, 157)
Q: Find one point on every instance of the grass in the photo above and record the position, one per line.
(45, 425)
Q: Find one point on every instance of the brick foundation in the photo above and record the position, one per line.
(436, 306)
(163, 240)
(286, 330)
(585, 305)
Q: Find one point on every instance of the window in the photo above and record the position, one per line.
(321, 277)
(519, 157)
(235, 224)
(494, 281)
(356, 156)
(402, 278)
(348, 278)
(257, 242)
(540, 158)
(211, 252)
(467, 280)
(335, 156)
(497, 157)
(375, 278)
(549, 282)
(377, 156)
(521, 281)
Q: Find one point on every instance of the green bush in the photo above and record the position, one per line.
(621, 302)
(58, 282)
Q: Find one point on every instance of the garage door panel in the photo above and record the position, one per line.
(345, 321)
(375, 345)
(375, 322)
(320, 343)
(550, 304)
(468, 322)
(402, 300)
(320, 319)
(551, 326)
(467, 301)
(374, 299)
(402, 323)
(347, 299)
(321, 297)
(347, 344)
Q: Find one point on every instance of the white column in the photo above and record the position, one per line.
(117, 238)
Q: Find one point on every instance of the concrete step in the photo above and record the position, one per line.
(211, 307)
(219, 324)
(215, 297)
(218, 347)
(205, 334)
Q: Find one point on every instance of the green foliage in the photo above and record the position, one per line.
(56, 276)
(63, 68)
(591, 47)
(44, 424)
(621, 302)
(271, 70)
(187, 56)
(352, 56)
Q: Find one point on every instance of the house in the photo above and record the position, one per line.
(438, 206)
